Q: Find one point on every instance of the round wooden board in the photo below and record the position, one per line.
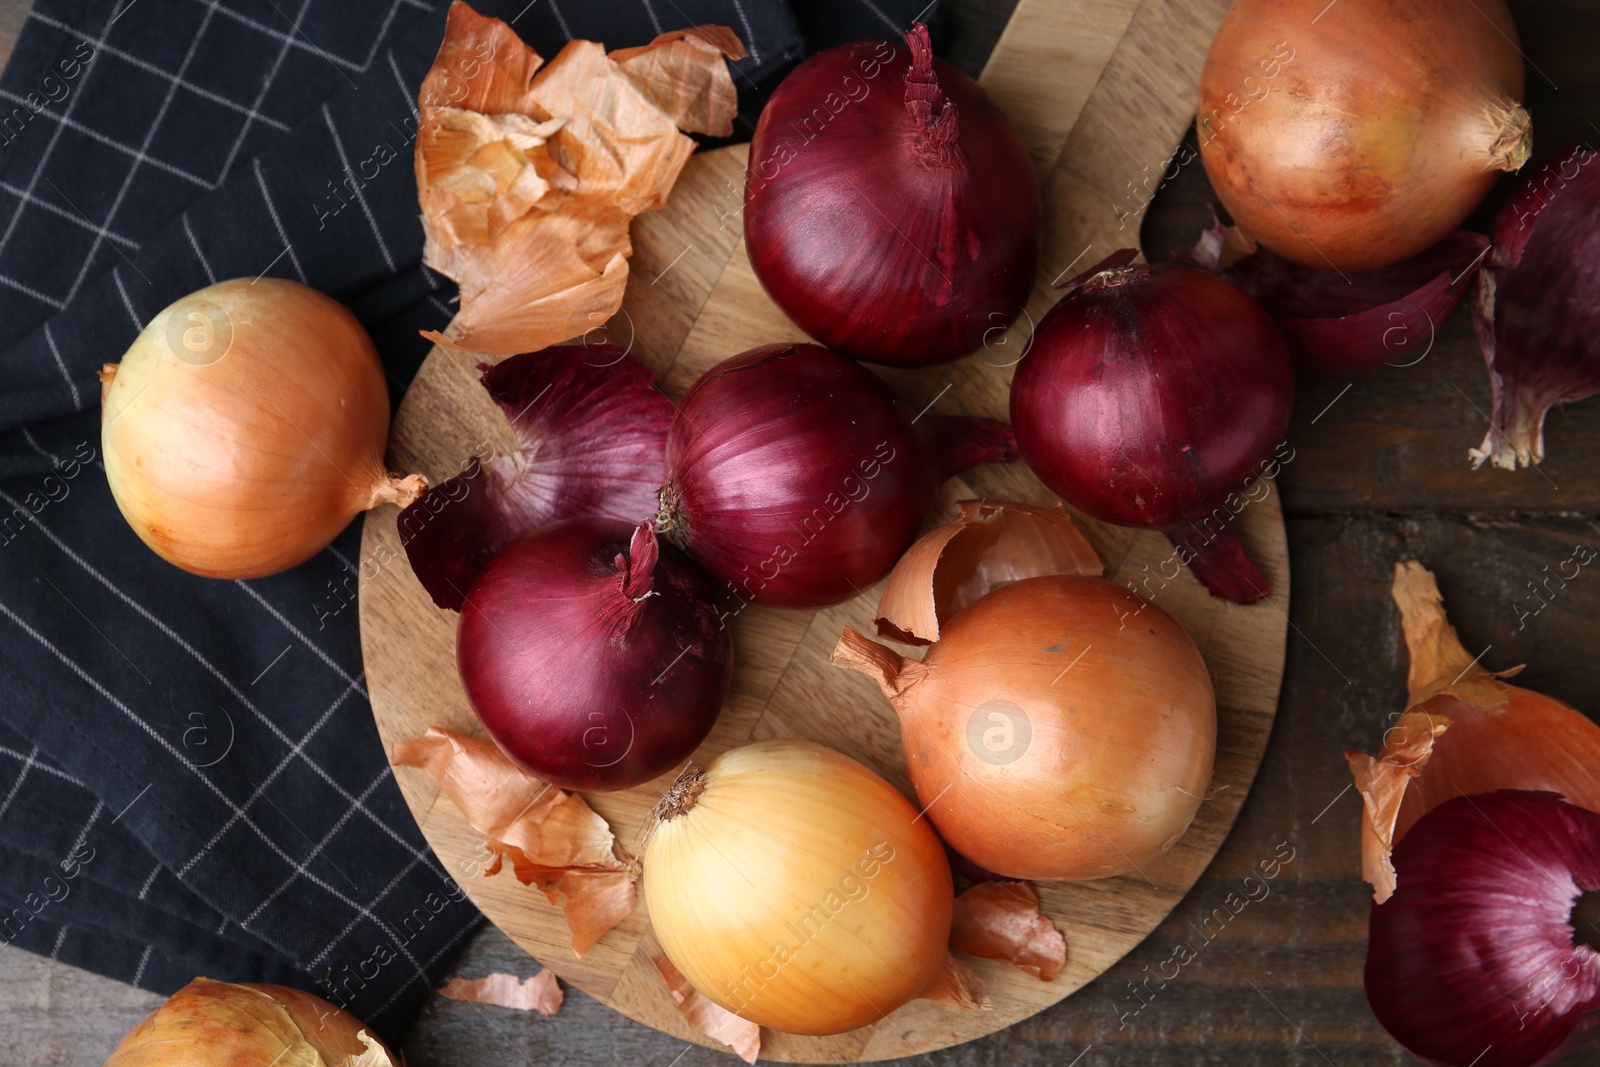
(691, 302)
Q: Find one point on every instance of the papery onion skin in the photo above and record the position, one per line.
(1536, 312)
(592, 434)
(1340, 323)
(246, 426)
(892, 214)
(1150, 397)
(594, 656)
(1473, 961)
(221, 1024)
(795, 477)
(1062, 728)
(1356, 136)
(774, 833)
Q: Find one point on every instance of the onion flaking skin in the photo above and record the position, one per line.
(1340, 323)
(591, 430)
(989, 544)
(1464, 731)
(1537, 312)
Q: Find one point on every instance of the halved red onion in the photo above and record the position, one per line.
(1537, 310)
(1341, 322)
(1483, 954)
(592, 432)
(794, 475)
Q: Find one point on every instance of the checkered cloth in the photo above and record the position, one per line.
(190, 780)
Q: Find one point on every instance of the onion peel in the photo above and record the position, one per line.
(956, 986)
(709, 1017)
(1464, 731)
(1002, 921)
(540, 992)
(551, 838)
(529, 173)
(1357, 320)
(988, 545)
(591, 431)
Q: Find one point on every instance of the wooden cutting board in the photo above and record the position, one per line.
(1103, 92)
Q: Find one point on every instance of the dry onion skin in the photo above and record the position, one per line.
(220, 1024)
(550, 838)
(1464, 732)
(711, 1019)
(1353, 136)
(1062, 728)
(529, 173)
(245, 428)
(797, 889)
(989, 544)
(1001, 921)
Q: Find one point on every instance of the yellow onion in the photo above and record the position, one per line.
(797, 889)
(246, 427)
(1061, 728)
(1357, 135)
(220, 1024)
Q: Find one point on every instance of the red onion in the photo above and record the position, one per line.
(890, 208)
(1483, 956)
(1537, 315)
(594, 656)
(592, 430)
(1340, 323)
(1154, 396)
(795, 477)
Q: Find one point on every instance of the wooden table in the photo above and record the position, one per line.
(1380, 474)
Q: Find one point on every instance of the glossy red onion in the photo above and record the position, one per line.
(1339, 323)
(1158, 396)
(794, 476)
(594, 655)
(891, 209)
(1483, 954)
(592, 434)
(1537, 310)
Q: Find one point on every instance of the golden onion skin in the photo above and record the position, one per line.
(246, 427)
(1062, 728)
(1356, 135)
(221, 1024)
(799, 890)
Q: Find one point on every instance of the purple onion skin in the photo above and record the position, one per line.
(1148, 398)
(1472, 960)
(1360, 320)
(594, 662)
(886, 229)
(1537, 312)
(796, 478)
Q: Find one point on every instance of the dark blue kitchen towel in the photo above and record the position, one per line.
(190, 779)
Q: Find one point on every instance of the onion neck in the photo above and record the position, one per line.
(402, 490)
(681, 797)
(669, 515)
(1218, 562)
(1586, 920)
(1512, 142)
(934, 116)
(961, 442)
